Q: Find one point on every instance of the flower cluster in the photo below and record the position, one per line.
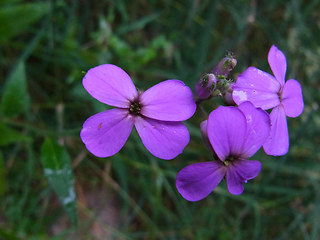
(233, 134)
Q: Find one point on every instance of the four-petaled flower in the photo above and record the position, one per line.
(266, 91)
(235, 134)
(156, 113)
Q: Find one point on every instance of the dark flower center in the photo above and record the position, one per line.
(229, 160)
(135, 108)
(280, 95)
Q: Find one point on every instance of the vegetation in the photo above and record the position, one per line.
(51, 187)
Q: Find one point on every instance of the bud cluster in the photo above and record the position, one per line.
(216, 83)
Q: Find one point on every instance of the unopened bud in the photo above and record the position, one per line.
(216, 93)
(204, 133)
(224, 85)
(206, 85)
(225, 66)
(228, 96)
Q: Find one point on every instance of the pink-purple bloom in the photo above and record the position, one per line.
(267, 91)
(235, 134)
(156, 113)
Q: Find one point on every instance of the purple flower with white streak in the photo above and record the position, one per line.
(266, 91)
(156, 113)
(235, 134)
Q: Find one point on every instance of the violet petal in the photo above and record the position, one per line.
(278, 64)
(258, 128)
(258, 87)
(247, 169)
(110, 85)
(292, 99)
(198, 180)
(277, 143)
(163, 139)
(105, 133)
(234, 181)
(170, 100)
(226, 131)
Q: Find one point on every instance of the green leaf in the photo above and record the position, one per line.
(57, 169)
(15, 99)
(16, 19)
(9, 135)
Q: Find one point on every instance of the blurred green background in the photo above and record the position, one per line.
(51, 187)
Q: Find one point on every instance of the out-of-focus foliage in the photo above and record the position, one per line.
(57, 169)
(15, 98)
(17, 18)
(45, 49)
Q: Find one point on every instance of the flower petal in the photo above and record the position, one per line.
(198, 180)
(110, 84)
(258, 87)
(234, 181)
(163, 139)
(170, 100)
(105, 133)
(278, 64)
(292, 99)
(247, 169)
(277, 143)
(226, 131)
(258, 128)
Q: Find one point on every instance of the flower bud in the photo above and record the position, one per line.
(206, 85)
(225, 66)
(204, 133)
(228, 96)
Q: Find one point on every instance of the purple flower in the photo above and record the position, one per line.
(266, 91)
(235, 134)
(156, 113)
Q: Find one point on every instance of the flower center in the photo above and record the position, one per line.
(280, 95)
(135, 108)
(229, 160)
